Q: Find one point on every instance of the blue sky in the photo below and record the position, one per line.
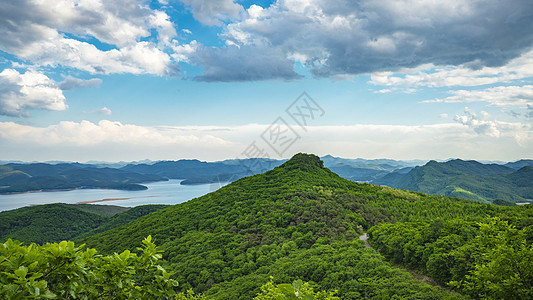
(130, 80)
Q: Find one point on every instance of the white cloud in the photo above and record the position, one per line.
(432, 76)
(502, 96)
(30, 90)
(211, 12)
(479, 124)
(105, 111)
(52, 33)
(71, 83)
(108, 140)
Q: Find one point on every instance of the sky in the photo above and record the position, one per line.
(127, 80)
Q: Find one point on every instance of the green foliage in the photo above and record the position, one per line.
(62, 270)
(47, 223)
(505, 271)
(297, 290)
(56, 222)
(489, 259)
(300, 221)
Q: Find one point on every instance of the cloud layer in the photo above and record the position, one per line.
(338, 37)
(472, 136)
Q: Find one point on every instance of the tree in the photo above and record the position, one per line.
(62, 270)
(297, 290)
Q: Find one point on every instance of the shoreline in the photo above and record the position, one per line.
(111, 199)
(79, 188)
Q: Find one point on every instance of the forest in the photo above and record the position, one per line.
(295, 230)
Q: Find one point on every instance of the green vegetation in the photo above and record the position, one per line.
(298, 221)
(466, 179)
(19, 178)
(301, 223)
(64, 271)
(57, 222)
(489, 259)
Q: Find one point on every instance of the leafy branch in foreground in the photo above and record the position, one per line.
(62, 270)
(297, 290)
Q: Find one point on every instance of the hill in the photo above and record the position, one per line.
(465, 179)
(57, 222)
(520, 164)
(19, 178)
(297, 221)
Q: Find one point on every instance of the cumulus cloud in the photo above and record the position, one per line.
(211, 12)
(502, 96)
(352, 37)
(483, 125)
(105, 111)
(20, 92)
(71, 83)
(52, 32)
(478, 124)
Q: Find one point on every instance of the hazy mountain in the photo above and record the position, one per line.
(17, 178)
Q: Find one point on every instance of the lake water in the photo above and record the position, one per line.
(163, 192)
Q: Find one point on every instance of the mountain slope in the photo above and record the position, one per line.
(464, 179)
(57, 222)
(297, 221)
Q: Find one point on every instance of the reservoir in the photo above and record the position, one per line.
(162, 192)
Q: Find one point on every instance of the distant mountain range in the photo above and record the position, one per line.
(467, 179)
(18, 178)
(483, 182)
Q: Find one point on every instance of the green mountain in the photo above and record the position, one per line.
(18, 178)
(57, 222)
(520, 164)
(300, 221)
(465, 179)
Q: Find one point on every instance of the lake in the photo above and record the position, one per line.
(162, 192)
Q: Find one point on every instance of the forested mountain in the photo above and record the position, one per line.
(17, 178)
(465, 179)
(520, 163)
(57, 222)
(302, 221)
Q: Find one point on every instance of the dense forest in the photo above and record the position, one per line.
(58, 222)
(297, 227)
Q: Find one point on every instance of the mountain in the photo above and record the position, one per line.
(520, 164)
(57, 222)
(465, 179)
(17, 178)
(378, 164)
(297, 221)
(198, 172)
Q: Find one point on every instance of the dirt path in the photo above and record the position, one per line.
(364, 238)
